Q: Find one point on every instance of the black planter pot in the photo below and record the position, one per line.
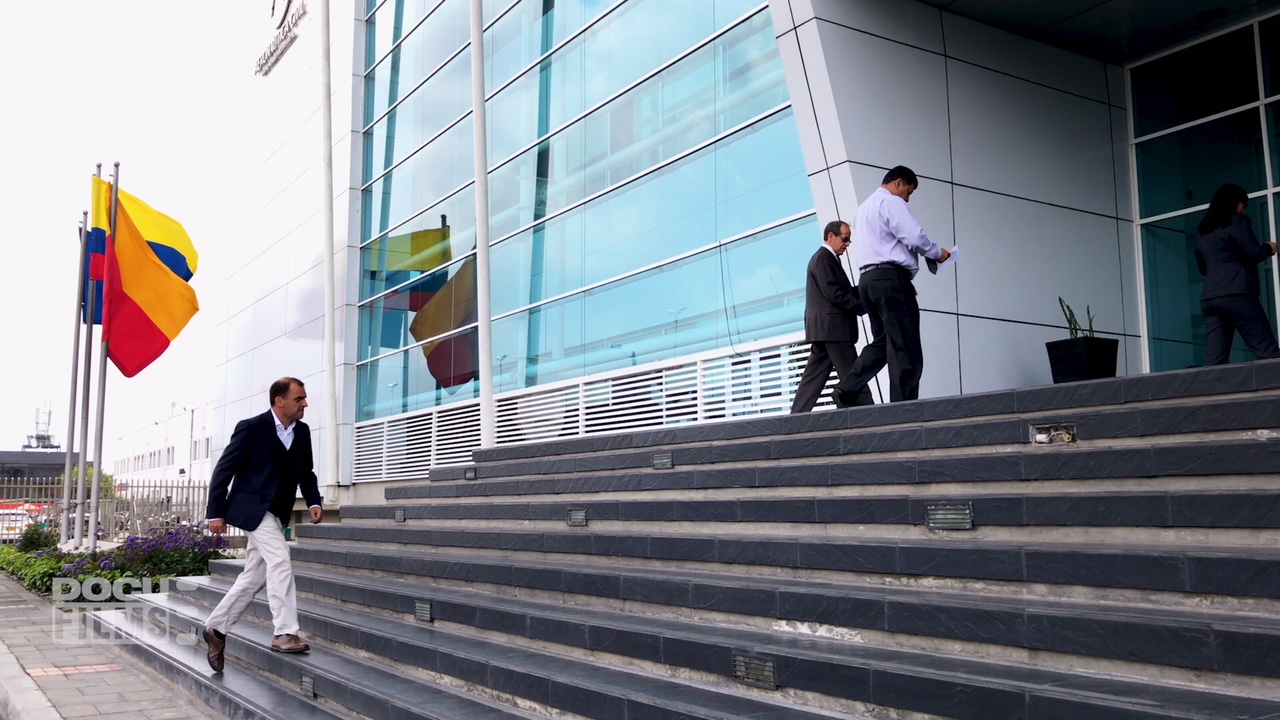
(1082, 358)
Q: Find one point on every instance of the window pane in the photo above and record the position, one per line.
(432, 172)
(616, 51)
(421, 377)
(410, 250)
(711, 91)
(388, 25)
(1269, 30)
(430, 109)
(1182, 170)
(1173, 285)
(435, 304)
(1225, 73)
(1273, 128)
(749, 179)
(676, 309)
(525, 34)
(447, 29)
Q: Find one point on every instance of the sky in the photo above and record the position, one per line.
(166, 89)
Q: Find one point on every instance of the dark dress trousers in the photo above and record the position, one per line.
(895, 335)
(1228, 258)
(831, 309)
(266, 475)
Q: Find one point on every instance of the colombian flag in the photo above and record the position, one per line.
(147, 299)
(451, 361)
(99, 221)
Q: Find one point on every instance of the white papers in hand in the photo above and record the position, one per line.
(955, 256)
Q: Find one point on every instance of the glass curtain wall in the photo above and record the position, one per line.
(647, 192)
(1202, 116)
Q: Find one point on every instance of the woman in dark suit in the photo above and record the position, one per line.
(1228, 254)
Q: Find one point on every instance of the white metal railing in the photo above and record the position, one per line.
(126, 507)
(756, 379)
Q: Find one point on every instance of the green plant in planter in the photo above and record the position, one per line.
(1073, 324)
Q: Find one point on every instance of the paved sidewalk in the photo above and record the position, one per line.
(45, 679)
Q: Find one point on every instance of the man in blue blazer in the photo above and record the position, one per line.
(267, 459)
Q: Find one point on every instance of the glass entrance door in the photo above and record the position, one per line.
(1202, 116)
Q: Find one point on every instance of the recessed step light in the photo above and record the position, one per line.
(1054, 434)
(949, 516)
(755, 670)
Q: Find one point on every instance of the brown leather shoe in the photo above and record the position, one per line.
(217, 649)
(289, 644)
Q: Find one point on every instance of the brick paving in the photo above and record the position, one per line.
(47, 673)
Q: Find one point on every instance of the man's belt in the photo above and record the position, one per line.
(878, 266)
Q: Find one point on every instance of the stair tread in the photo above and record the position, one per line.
(1001, 675)
(551, 665)
(921, 595)
(246, 689)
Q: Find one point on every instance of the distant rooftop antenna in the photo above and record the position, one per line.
(42, 440)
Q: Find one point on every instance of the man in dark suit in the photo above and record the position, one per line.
(269, 458)
(831, 309)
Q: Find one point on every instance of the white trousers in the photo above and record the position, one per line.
(266, 563)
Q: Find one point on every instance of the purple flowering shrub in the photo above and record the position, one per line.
(162, 552)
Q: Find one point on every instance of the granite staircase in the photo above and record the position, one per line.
(1103, 550)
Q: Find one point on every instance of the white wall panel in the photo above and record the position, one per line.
(890, 103)
(845, 187)
(1022, 139)
(303, 350)
(912, 23)
(306, 301)
(1132, 348)
(271, 362)
(270, 316)
(1115, 86)
(1128, 276)
(824, 200)
(1120, 160)
(240, 333)
(1018, 257)
(1005, 52)
(997, 355)
(795, 68)
(239, 377)
(938, 337)
(780, 12)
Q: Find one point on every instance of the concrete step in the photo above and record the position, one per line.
(1199, 385)
(1137, 631)
(1257, 456)
(236, 693)
(546, 683)
(935, 683)
(1192, 507)
(1246, 571)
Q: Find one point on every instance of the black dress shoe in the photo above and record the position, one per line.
(217, 648)
(841, 398)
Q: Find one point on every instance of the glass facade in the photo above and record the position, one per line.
(1190, 138)
(647, 192)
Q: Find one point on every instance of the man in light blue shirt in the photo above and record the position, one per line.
(887, 244)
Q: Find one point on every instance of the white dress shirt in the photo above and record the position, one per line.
(284, 433)
(885, 231)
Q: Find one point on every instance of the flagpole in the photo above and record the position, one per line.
(102, 380)
(484, 331)
(83, 470)
(330, 292)
(64, 528)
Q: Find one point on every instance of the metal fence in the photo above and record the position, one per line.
(124, 508)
